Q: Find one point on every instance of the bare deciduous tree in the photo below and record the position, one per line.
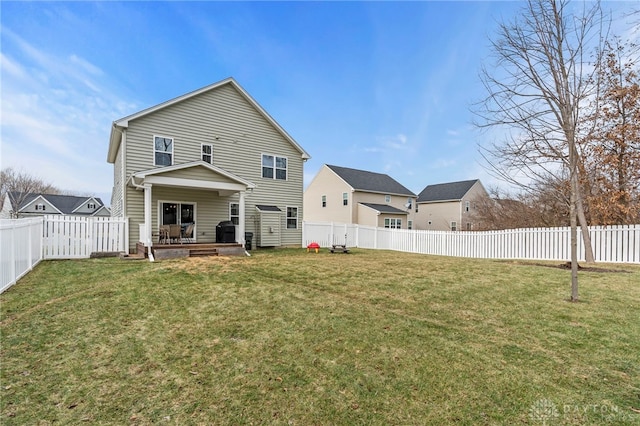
(20, 184)
(534, 92)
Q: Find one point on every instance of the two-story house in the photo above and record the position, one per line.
(345, 195)
(449, 206)
(208, 156)
(23, 204)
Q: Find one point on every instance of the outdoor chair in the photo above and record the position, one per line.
(174, 232)
(163, 234)
(188, 233)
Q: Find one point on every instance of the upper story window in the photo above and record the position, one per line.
(91, 205)
(207, 153)
(40, 207)
(387, 198)
(409, 203)
(467, 206)
(292, 218)
(409, 224)
(274, 167)
(162, 151)
(324, 201)
(345, 198)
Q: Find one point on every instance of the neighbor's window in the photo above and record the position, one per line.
(410, 224)
(163, 151)
(468, 226)
(274, 167)
(40, 207)
(454, 226)
(234, 213)
(292, 218)
(345, 198)
(207, 153)
(409, 203)
(91, 205)
(387, 198)
(467, 206)
(324, 201)
(393, 223)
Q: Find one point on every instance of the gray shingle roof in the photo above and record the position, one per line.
(65, 203)
(446, 191)
(383, 208)
(361, 180)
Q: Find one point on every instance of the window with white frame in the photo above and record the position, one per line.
(234, 213)
(292, 218)
(40, 207)
(387, 198)
(409, 224)
(454, 226)
(393, 223)
(162, 151)
(468, 226)
(409, 203)
(274, 167)
(345, 198)
(324, 201)
(207, 153)
(467, 206)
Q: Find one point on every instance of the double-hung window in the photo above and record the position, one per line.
(324, 201)
(274, 167)
(207, 153)
(162, 151)
(454, 225)
(345, 198)
(393, 223)
(292, 218)
(234, 213)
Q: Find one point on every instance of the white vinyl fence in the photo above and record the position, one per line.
(25, 242)
(20, 249)
(618, 244)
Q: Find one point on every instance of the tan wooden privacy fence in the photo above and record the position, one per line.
(25, 242)
(618, 244)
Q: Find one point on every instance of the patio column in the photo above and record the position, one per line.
(241, 227)
(147, 239)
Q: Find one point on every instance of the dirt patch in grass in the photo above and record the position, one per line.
(567, 266)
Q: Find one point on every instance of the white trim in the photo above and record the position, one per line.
(122, 123)
(173, 149)
(87, 201)
(202, 145)
(286, 217)
(193, 183)
(262, 155)
(238, 215)
(178, 214)
(39, 197)
(144, 173)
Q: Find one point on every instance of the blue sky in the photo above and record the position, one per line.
(380, 86)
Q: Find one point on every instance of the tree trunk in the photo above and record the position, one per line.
(586, 238)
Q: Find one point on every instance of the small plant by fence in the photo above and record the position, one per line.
(25, 242)
(618, 244)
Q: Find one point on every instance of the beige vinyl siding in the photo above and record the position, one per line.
(366, 216)
(117, 194)
(239, 134)
(328, 183)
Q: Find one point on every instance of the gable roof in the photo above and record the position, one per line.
(123, 123)
(451, 191)
(362, 180)
(383, 208)
(65, 204)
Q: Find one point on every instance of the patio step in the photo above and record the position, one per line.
(203, 252)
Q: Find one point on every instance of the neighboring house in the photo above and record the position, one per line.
(344, 195)
(208, 156)
(449, 206)
(19, 204)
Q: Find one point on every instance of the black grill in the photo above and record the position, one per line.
(225, 232)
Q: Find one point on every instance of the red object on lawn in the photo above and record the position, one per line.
(313, 245)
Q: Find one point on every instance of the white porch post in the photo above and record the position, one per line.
(147, 239)
(241, 226)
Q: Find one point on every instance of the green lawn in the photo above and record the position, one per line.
(289, 337)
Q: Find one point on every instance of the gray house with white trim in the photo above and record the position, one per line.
(346, 195)
(22, 204)
(208, 156)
